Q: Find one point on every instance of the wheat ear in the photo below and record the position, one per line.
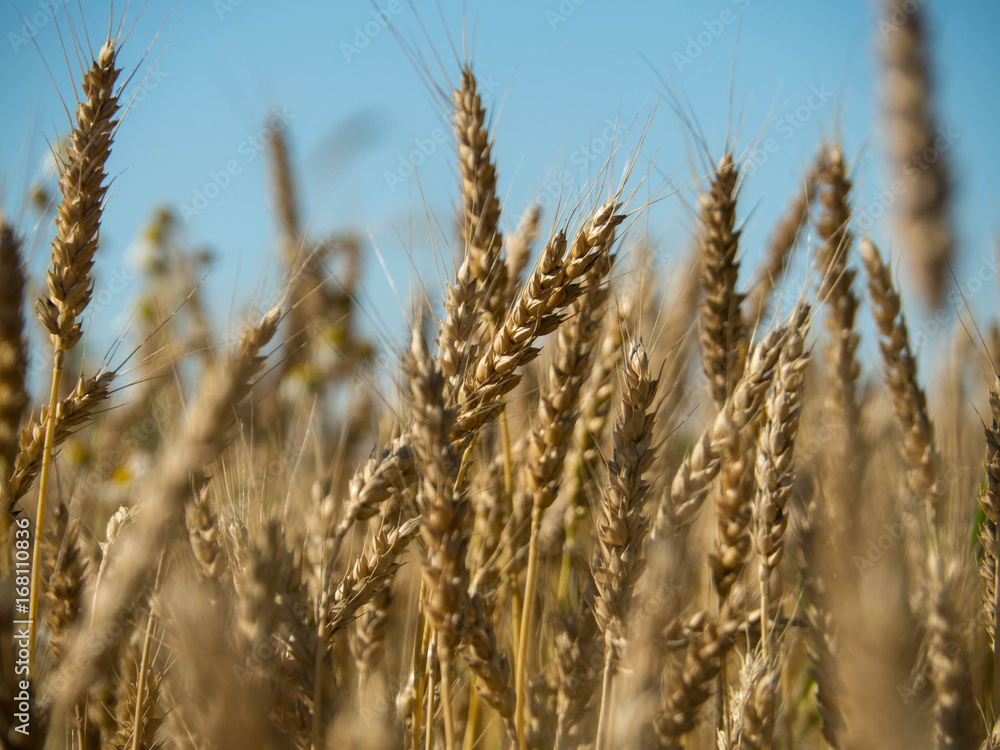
(557, 281)
(13, 369)
(203, 535)
(65, 574)
(72, 412)
(754, 705)
(579, 657)
(368, 574)
(734, 503)
(955, 711)
(306, 283)
(622, 525)
(722, 330)
(774, 459)
(689, 686)
(553, 285)
(989, 500)
(595, 405)
(78, 221)
(918, 447)
(845, 458)
(691, 483)
(481, 206)
(443, 509)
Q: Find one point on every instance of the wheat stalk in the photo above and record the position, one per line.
(78, 221)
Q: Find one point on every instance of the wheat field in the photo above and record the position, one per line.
(605, 504)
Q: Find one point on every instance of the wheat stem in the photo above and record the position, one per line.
(603, 723)
(521, 670)
(43, 485)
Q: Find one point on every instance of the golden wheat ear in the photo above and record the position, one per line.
(70, 285)
(689, 684)
(774, 469)
(481, 205)
(81, 185)
(686, 493)
(837, 291)
(722, 330)
(919, 446)
(956, 717)
(989, 501)
(474, 300)
(623, 525)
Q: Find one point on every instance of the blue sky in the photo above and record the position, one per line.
(555, 74)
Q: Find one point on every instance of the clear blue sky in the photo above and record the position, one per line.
(357, 105)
